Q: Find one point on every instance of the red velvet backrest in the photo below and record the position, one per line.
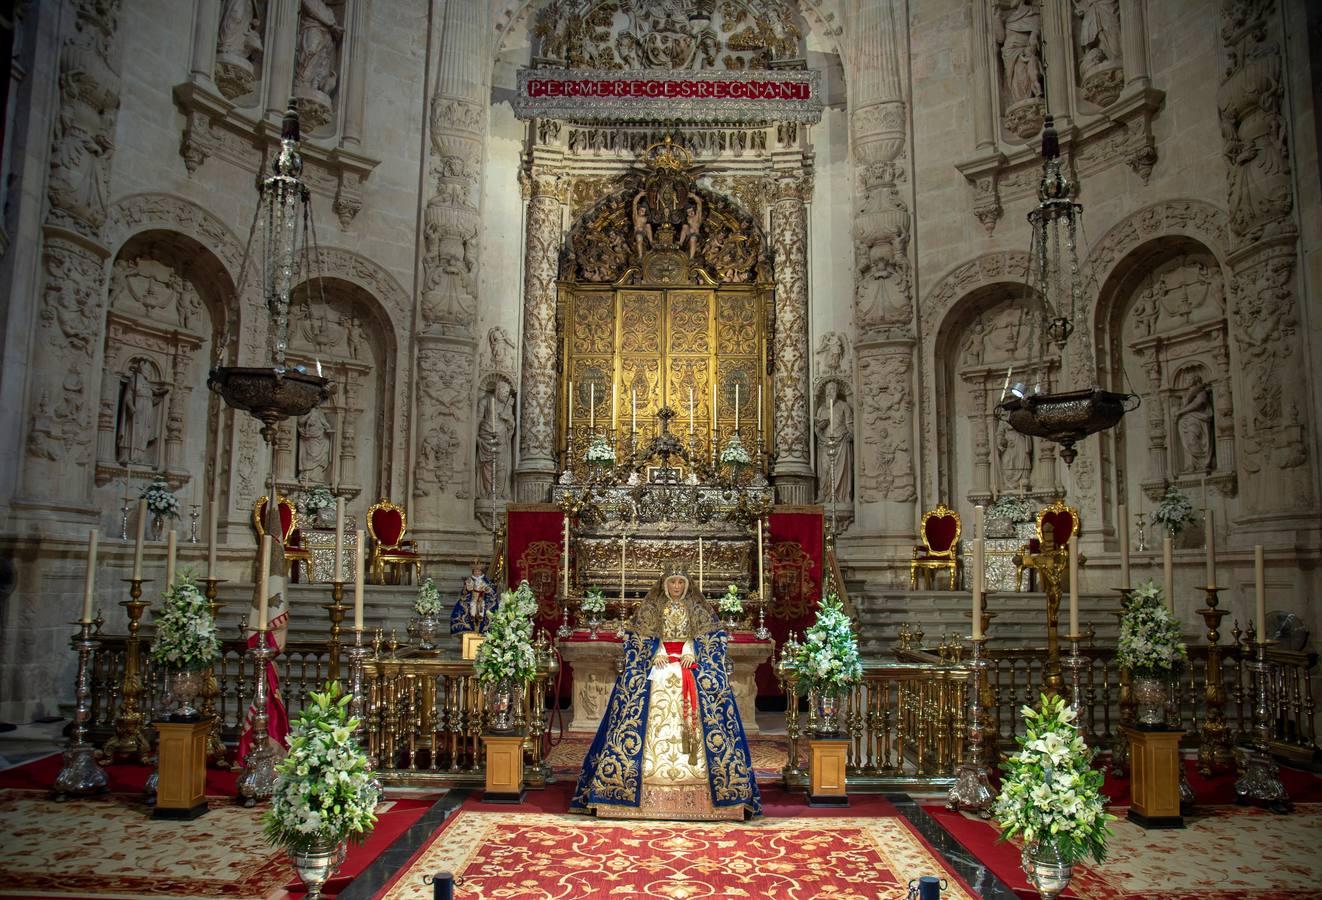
(1062, 525)
(286, 520)
(388, 524)
(940, 532)
(295, 538)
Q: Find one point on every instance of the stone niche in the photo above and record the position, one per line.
(168, 295)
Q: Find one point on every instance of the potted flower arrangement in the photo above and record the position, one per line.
(161, 502)
(1007, 512)
(827, 662)
(734, 454)
(186, 643)
(730, 606)
(1152, 649)
(506, 661)
(317, 501)
(600, 452)
(428, 608)
(1174, 512)
(1051, 798)
(324, 792)
(594, 608)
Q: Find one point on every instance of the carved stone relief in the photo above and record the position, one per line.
(885, 467)
(444, 377)
(789, 236)
(882, 298)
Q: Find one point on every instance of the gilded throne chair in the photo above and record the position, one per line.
(291, 539)
(1057, 525)
(939, 533)
(387, 524)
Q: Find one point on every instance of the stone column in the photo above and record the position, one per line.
(979, 428)
(1057, 38)
(537, 463)
(984, 125)
(283, 37)
(1133, 37)
(206, 21)
(64, 394)
(355, 76)
(792, 424)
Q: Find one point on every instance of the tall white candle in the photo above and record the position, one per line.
(1074, 588)
(736, 407)
(759, 556)
(170, 544)
(759, 411)
(1209, 531)
(263, 581)
(1260, 593)
(358, 581)
(137, 546)
(615, 418)
(339, 539)
(633, 412)
(211, 539)
(623, 542)
(977, 588)
(713, 423)
(979, 520)
(1168, 570)
(700, 565)
(1124, 546)
(569, 414)
(89, 584)
(690, 411)
(566, 557)
(592, 406)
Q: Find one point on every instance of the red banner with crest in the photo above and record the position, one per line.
(534, 545)
(798, 562)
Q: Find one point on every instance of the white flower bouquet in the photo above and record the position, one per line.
(186, 637)
(160, 499)
(594, 602)
(827, 661)
(317, 498)
(429, 599)
(734, 453)
(1174, 512)
(1051, 796)
(600, 452)
(1011, 508)
(729, 603)
(324, 790)
(1150, 644)
(507, 653)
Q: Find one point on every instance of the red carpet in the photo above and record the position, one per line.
(125, 778)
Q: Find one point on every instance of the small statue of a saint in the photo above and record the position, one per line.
(477, 602)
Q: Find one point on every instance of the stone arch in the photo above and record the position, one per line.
(169, 212)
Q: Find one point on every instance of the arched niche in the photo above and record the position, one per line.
(1165, 331)
(169, 300)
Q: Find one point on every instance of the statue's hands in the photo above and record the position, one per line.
(688, 660)
(660, 658)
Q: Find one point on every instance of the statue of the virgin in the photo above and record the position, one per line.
(671, 744)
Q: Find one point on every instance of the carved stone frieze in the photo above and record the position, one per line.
(885, 451)
(444, 406)
(789, 238)
(883, 304)
(632, 141)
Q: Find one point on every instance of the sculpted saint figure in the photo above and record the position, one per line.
(671, 744)
(1019, 32)
(1193, 421)
(314, 447)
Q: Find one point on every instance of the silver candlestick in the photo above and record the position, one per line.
(192, 526)
(81, 775)
(258, 779)
(972, 788)
(124, 520)
(1075, 663)
(564, 630)
(1142, 537)
(1261, 782)
(762, 633)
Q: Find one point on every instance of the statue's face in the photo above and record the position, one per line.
(676, 586)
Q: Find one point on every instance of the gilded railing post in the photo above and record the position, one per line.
(130, 736)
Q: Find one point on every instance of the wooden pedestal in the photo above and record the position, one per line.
(471, 640)
(504, 768)
(181, 786)
(826, 772)
(1154, 781)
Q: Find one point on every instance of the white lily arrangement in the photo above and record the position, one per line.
(828, 661)
(316, 498)
(324, 790)
(600, 452)
(186, 636)
(160, 499)
(729, 603)
(594, 602)
(429, 599)
(1150, 643)
(1174, 512)
(1051, 796)
(1011, 508)
(507, 654)
(734, 453)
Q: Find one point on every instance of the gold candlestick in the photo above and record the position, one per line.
(217, 755)
(1051, 565)
(130, 735)
(335, 609)
(1214, 749)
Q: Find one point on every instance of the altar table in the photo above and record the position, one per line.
(594, 662)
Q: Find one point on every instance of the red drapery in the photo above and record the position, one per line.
(796, 567)
(534, 548)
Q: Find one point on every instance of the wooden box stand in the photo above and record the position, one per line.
(1154, 785)
(504, 768)
(181, 787)
(826, 772)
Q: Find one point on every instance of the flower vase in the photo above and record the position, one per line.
(594, 623)
(1045, 870)
(828, 714)
(731, 622)
(185, 684)
(500, 706)
(1149, 700)
(317, 865)
(427, 626)
(157, 526)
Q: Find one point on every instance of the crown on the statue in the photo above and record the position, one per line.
(667, 156)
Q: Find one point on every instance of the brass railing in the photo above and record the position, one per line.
(905, 723)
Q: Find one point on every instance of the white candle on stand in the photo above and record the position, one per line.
(569, 415)
(1074, 588)
(736, 407)
(170, 543)
(592, 406)
(623, 542)
(1168, 570)
(977, 588)
(358, 581)
(690, 411)
(615, 418)
(1209, 531)
(89, 585)
(759, 556)
(339, 540)
(211, 540)
(263, 582)
(566, 559)
(1260, 593)
(1124, 546)
(979, 520)
(759, 412)
(137, 546)
(700, 566)
(633, 410)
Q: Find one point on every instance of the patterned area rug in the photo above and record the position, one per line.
(557, 857)
(769, 754)
(1224, 853)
